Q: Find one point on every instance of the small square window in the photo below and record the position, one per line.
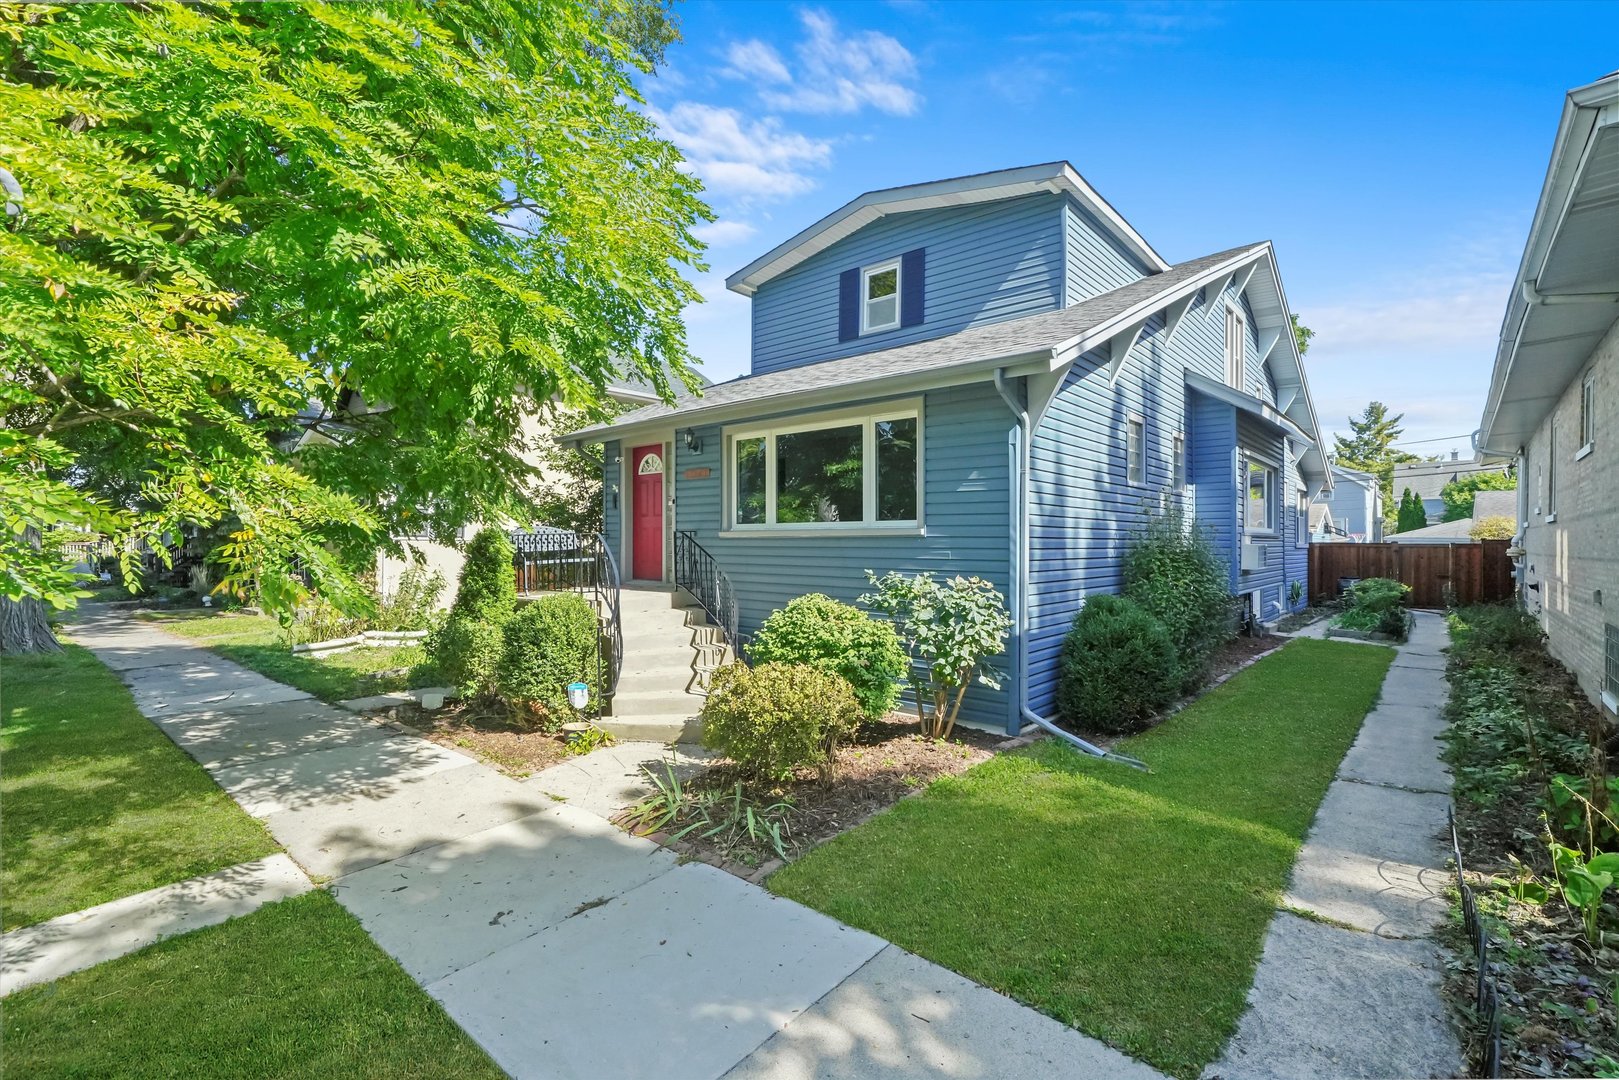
(1135, 450)
(1588, 411)
(879, 297)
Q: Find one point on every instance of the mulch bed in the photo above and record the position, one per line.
(887, 760)
(1238, 653)
(491, 733)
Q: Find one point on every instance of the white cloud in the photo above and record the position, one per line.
(757, 60)
(748, 160)
(836, 72)
(723, 233)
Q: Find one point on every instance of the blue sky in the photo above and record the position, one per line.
(1392, 152)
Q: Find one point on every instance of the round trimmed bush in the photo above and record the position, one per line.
(547, 645)
(823, 633)
(775, 718)
(1118, 667)
(466, 652)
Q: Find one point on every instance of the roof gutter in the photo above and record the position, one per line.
(1020, 581)
(1535, 298)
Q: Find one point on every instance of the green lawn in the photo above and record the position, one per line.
(295, 989)
(1131, 905)
(98, 802)
(256, 641)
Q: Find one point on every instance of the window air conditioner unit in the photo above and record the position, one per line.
(1253, 555)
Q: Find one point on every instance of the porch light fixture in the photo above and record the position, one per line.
(693, 443)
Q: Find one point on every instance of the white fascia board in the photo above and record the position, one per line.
(935, 194)
(1019, 363)
(1584, 110)
(1288, 343)
(1068, 351)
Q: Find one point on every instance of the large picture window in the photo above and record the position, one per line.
(1260, 515)
(850, 471)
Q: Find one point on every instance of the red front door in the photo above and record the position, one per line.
(646, 468)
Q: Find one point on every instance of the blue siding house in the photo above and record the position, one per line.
(993, 375)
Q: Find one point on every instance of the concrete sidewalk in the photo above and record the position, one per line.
(1362, 999)
(564, 946)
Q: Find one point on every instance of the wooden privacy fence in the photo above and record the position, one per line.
(1475, 573)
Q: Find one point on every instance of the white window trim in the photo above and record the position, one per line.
(1235, 364)
(1587, 386)
(867, 418)
(1274, 472)
(1177, 454)
(1130, 476)
(866, 272)
(1302, 526)
(1551, 473)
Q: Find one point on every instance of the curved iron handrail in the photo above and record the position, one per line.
(698, 573)
(560, 560)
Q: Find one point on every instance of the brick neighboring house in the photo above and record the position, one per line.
(1428, 479)
(1554, 395)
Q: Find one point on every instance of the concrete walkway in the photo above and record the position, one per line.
(564, 946)
(49, 950)
(1362, 999)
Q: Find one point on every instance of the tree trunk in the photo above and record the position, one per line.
(24, 627)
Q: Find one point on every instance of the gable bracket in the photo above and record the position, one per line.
(1216, 288)
(1119, 346)
(1174, 313)
(1286, 398)
(1268, 337)
(1244, 276)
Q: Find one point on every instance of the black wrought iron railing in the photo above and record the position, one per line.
(698, 573)
(560, 560)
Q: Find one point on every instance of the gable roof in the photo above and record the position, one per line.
(1054, 176)
(1566, 294)
(1460, 529)
(976, 350)
(1428, 478)
(1029, 345)
(1495, 504)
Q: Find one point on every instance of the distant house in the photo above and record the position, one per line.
(1486, 504)
(1357, 505)
(1428, 478)
(993, 375)
(1553, 402)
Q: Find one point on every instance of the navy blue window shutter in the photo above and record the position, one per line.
(913, 280)
(849, 305)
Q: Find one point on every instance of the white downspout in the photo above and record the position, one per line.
(1020, 582)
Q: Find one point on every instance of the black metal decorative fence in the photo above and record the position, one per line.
(559, 560)
(698, 573)
(1486, 999)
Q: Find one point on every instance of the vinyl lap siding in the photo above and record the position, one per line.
(985, 263)
(1083, 510)
(965, 463)
(1096, 262)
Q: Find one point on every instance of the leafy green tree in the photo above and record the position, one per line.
(1370, 448)
(569, 494)
(392, 226)
(1302, 334)
(1458, 494)
(1411, 515)
(1497, 527)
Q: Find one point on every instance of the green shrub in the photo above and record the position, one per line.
(823, 633)
(413, 602)
(1501, 628)
(1173, 572)
(466, 652)
(545, 646)
(1118, 667)
(775, 718)
(488, 585)
(1376, 604)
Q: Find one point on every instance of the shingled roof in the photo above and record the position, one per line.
(980, 346)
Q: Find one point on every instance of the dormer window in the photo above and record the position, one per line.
(879, 296)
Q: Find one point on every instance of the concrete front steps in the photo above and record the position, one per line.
(670, 649)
